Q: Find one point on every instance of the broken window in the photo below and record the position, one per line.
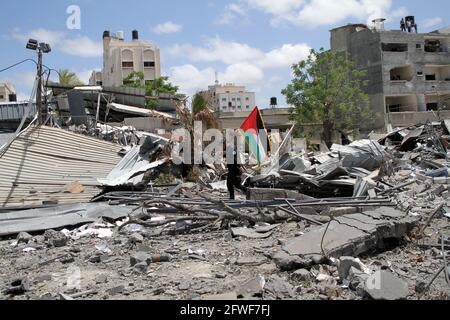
(433, 106)
(395, 47)
(404, 73)
(401, 104)
(433, 46)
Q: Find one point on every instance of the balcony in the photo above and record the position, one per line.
(407, 119)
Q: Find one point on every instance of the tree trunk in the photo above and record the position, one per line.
(328, 126)
(328, 132)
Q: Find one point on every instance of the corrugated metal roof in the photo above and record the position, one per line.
(41, 161)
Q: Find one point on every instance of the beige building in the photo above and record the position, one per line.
(229, 98)
(96, 78)
(120, 58)
(7, 92)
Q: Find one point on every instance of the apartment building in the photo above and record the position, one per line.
(229, 98)
(408, 72)
(96, 78)
(120, 58)
(7, 92)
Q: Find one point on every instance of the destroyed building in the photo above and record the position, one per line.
(408, 73)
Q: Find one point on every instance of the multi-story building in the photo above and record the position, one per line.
(96, 78)
(229, 98)
(121, 58)
(7, 92)
(408, 72)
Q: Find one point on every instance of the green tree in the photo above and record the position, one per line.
(153, 88)
(199, 103)
(134, 80)
(328, 89)
(67, 78)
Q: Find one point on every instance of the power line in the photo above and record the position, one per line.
(16, 64)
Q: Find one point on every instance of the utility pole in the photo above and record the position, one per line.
(40, 48)
(39, 89)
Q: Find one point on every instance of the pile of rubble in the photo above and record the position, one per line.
(364, 221)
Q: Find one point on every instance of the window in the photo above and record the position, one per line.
(394, 47)
(2, 96)
(430, 77)
(224, 99)
(247, 99)
(99, 83)
(127, 64)
(420, 74)
(433, 106)
(434, 46)
(418, 46)
(224, 108)
(248, 107)
(149, 64)
(230, 104)
(234, 99)
(238, 99)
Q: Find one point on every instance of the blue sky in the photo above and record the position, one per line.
(250, 42)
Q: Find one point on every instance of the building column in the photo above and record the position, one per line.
(421, 104)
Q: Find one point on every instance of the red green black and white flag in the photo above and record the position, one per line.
(255, 132)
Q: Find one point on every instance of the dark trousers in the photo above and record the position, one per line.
(233, 182)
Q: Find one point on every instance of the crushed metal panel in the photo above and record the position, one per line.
(43, 160)
(57, 217)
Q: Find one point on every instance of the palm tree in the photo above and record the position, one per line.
(67, 78)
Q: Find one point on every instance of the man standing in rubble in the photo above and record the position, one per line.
(235, 170)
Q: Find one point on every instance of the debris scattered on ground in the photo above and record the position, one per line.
(367, 220)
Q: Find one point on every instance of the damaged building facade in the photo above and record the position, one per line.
(408, 73)
(120, 58)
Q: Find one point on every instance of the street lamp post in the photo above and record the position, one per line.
(40, 48)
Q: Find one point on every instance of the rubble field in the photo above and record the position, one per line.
(369, 220)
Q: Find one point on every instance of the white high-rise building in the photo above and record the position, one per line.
(229, 98)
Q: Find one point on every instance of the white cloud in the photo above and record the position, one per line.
(216, 49)
(315, 13)
(231, 13)
(80, 46)
(243, 73)
(231, 52)
(167, 27)
(190, 79)
(285, 56)
(432, 22)
(84, 75)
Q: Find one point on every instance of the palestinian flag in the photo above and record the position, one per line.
(251, 129)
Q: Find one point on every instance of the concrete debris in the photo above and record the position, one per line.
(351, 235)
(18, 287)
(55, 238)
(360, 221)
(24, 237)
(383, 285)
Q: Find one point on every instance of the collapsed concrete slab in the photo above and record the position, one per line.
(348, 235)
